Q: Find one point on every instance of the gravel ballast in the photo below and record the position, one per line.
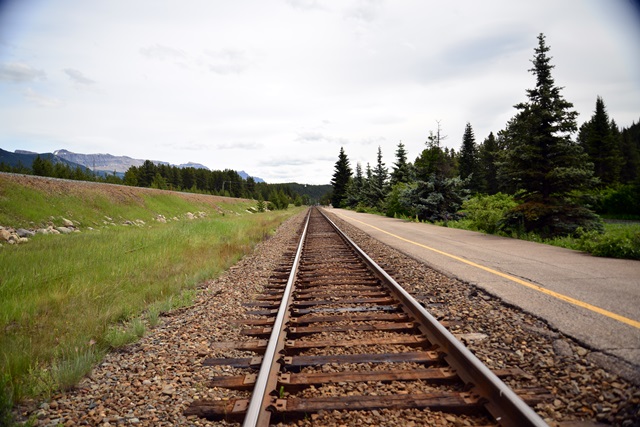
(150, 383)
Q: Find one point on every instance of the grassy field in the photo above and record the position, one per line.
(67, 299)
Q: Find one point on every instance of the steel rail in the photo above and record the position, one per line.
(257, 413)
(502, 402)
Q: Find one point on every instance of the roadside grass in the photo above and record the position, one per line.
(619, 240)
(67, 300)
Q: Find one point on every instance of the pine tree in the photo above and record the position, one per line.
(599, 138)
(630, 149)
(367, 188)
(469, 158)
(340, 180)
(542, 161)
(378, 185)
(487, 168)
(401, 168)
(355, 189)
(435, 160)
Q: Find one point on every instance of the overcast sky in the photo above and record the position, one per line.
(276, 87)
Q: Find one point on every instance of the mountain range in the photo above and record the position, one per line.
(104, 164)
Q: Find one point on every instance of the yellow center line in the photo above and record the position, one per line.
(529, 285)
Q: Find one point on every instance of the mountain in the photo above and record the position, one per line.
(25, 159)
(109, 163)
(102, 164)
(245, 175)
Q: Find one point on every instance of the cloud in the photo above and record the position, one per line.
(317, 137)
(484, 49)
(305, 4)
(78, 77)
(240, 146)
(227, 61)
(294, 161)
(41, 100)
(162, 53)
(364, 11)
(373, 141)
(18, 72)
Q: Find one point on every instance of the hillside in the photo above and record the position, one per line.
(29, 201)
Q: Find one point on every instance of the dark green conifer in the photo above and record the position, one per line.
(468, 161)
(599, 138)
(340, 180)
(542, 162)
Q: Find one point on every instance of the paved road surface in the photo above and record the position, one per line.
(594, 300)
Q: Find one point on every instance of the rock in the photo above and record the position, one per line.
(189, 215)
(67, 223)
(64, 230)
(21, 232)
(562, 348)
(473, 336)
(168, 390)
(5, 235)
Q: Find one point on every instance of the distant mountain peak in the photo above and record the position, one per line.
(245, 175)
(108, 163)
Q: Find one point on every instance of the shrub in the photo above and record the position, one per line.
(623, 242)
(619, 201)
(484, 212)
(395, 204)
(550, 220)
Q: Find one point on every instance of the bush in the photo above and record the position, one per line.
(395, 204)
(619, 201)
(484, 213)
(549, 220)
(621, 242)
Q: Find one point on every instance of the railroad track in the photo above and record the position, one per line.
(343, 336)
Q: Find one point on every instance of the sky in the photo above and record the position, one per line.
(277, 87)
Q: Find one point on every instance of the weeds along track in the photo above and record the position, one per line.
(334, 332)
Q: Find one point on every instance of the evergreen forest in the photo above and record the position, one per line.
(542, 175)
(189, 179)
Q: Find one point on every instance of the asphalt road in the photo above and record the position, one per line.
(594, 300)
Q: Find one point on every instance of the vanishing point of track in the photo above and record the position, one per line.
(332, 306)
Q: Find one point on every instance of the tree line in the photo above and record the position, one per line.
(556, 182)
(167, 177)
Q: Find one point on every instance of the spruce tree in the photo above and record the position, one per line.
(599, 138)
(401, 168)
(355, 189)
(340, 180)
(630, 149)
(379, 181)
(468, 166)
(542, 161)
(487, 168)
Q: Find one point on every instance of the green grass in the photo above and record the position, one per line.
(65, 300)
(619, 240)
